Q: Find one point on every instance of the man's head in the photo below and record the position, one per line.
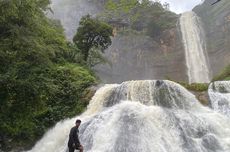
(78, 122)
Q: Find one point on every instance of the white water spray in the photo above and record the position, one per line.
(144, 116)
(219, 94)
(195, 48)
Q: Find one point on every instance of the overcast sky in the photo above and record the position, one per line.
(180, 6)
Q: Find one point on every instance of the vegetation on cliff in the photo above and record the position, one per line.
(148, 16)
(224, 75)
(197, 87)
(92, 38)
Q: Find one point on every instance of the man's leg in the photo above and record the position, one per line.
(81, 148)
(71, 149)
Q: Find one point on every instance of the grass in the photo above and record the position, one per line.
(224, 75)
(197, 87)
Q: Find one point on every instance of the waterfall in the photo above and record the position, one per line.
(195, 49)
(144, 116)
(219, 94)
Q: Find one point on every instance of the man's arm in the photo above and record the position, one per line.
(77, 141)
(71, 136)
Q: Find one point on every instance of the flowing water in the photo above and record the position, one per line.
(219, 94)
(144, 116)
(195, 48)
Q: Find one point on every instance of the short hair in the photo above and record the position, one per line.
(78, 121)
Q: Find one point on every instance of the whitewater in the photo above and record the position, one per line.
(144, 116)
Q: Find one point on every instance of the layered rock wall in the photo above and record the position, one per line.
(216, 19)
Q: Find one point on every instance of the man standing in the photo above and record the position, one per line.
(74, 142)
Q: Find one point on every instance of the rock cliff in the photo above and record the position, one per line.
(135, 56)
(216, 19)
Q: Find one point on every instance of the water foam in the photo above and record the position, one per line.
(146, 116)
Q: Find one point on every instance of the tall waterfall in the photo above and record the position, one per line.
(194, 44)
(144, 116)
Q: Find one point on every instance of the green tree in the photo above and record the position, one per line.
(92, 33)
(40, 82)
(147, 16)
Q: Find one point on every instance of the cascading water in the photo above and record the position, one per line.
(194, 44)
(219, 94)
(144, 116)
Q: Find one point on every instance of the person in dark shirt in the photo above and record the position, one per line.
(74, 142)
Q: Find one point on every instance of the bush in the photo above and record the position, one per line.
(35, 102)
(40, 82)
(197, 87)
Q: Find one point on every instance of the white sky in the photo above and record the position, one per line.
(180, 6)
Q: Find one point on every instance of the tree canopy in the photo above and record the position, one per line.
(40, 80)
(145, 15)
(92, 33)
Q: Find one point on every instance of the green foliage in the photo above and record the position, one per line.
(224, 75)
(149, 16)
(73, 54)
(64, 93)
(121, 6)
(119, 9)
(42, 77)
(92, 33)
(96, 57)
(197, 87)
(155, 26)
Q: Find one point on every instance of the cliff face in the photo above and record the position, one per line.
(135, 56)
(216, 19)
(148, 48)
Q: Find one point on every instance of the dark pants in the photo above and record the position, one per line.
(71, 149)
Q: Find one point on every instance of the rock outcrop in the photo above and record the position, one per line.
(216, 19)
(135, 56)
